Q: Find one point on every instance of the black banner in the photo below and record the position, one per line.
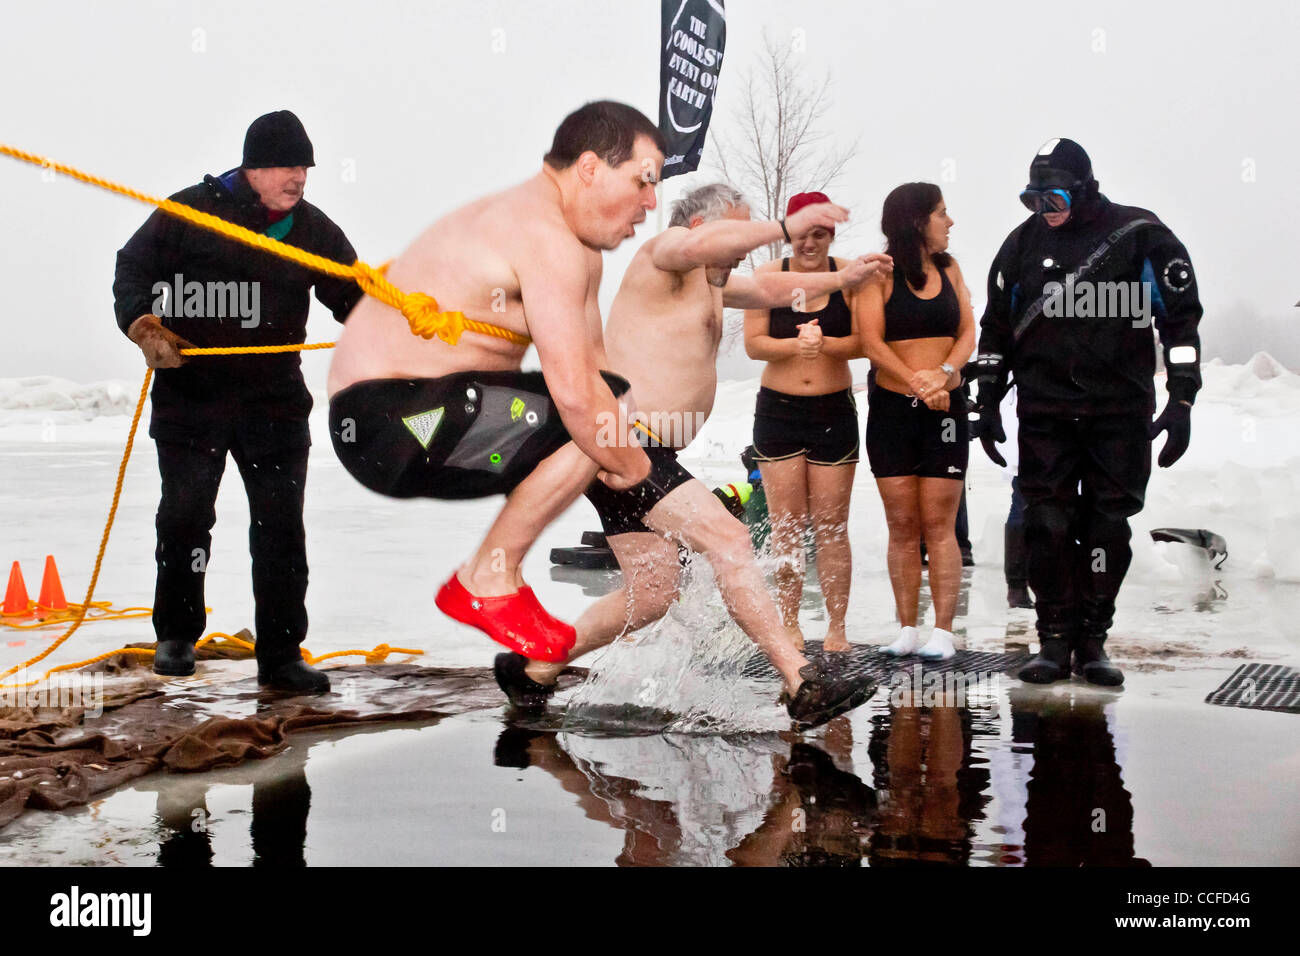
(694, 34)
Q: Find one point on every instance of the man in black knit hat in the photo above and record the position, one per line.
(179, 286)
(1072, 297)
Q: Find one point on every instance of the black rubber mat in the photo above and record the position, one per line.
(598, 559)
(868, 659)
(1260, 687)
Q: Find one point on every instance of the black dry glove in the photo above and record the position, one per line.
(1176, 419)
(988, 429)
(985, 367)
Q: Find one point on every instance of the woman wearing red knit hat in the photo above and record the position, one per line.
(806, 426)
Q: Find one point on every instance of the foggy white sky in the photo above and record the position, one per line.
(421, 98)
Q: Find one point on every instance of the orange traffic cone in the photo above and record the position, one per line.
(16, 602)
(51, 598)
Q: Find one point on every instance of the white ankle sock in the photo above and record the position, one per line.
(939, 645)
(909, 639)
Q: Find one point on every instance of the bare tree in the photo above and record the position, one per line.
(777, 144)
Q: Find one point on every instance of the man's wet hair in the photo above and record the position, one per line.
(607, 128)
(708, 202)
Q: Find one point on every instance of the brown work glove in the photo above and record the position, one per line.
(160, 345)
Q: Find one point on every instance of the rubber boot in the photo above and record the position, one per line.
(296, 677)
(1090, 660)
(1017, 567)
(174, 658)
(1052, 662)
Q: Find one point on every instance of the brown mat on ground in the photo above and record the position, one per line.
(52, 759)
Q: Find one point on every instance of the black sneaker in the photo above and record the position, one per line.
(524, 692)
(824, 695)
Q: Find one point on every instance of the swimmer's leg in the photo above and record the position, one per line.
(786, 484)
(691, 513)
(829, 490)
(537, 501)
(651, 579)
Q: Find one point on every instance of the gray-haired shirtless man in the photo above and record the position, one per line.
(663, 334)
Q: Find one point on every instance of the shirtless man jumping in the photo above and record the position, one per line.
(663, 334)
(416, 418)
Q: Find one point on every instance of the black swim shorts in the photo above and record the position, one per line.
(905, 437)
(822, 427)
(464, 435)
(622, 512)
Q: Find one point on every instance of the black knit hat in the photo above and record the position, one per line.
(277, 139)
(1060, 163)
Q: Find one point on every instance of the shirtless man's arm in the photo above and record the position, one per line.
(555, 293)
(773, 290)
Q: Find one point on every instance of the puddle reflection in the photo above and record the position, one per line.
(780, 800)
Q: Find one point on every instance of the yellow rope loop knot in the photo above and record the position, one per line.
(421, 311)
(378, 655)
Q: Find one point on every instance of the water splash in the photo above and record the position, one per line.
(682, 674)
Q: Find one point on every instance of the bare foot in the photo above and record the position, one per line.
(796, 637)
(835, 641)
(488, 583)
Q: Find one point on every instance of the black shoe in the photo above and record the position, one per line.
(967, 559)
(1052, 663)
(1092, 664)
(815, 774)
(1018, 596)
(295, 676)
(524, 692)
(511, 748)
(174, 658)
(824, 695)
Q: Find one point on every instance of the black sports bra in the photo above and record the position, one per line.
(834, 319)
(909, 317)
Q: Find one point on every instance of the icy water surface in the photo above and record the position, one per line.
(1017, 775)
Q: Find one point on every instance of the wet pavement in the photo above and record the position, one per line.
(1068, 775)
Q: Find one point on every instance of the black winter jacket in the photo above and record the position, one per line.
(1077, 364)
(208, 392)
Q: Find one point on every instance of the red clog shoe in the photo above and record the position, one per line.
(516, 621)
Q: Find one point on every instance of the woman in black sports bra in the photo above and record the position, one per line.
(806, 427)
(918, 330)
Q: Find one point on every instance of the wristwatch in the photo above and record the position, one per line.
(946, 369)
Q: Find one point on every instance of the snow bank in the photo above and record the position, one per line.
(45, 396)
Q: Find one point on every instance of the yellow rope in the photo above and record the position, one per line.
(258, 349)
(98, 611)
(421, 310)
